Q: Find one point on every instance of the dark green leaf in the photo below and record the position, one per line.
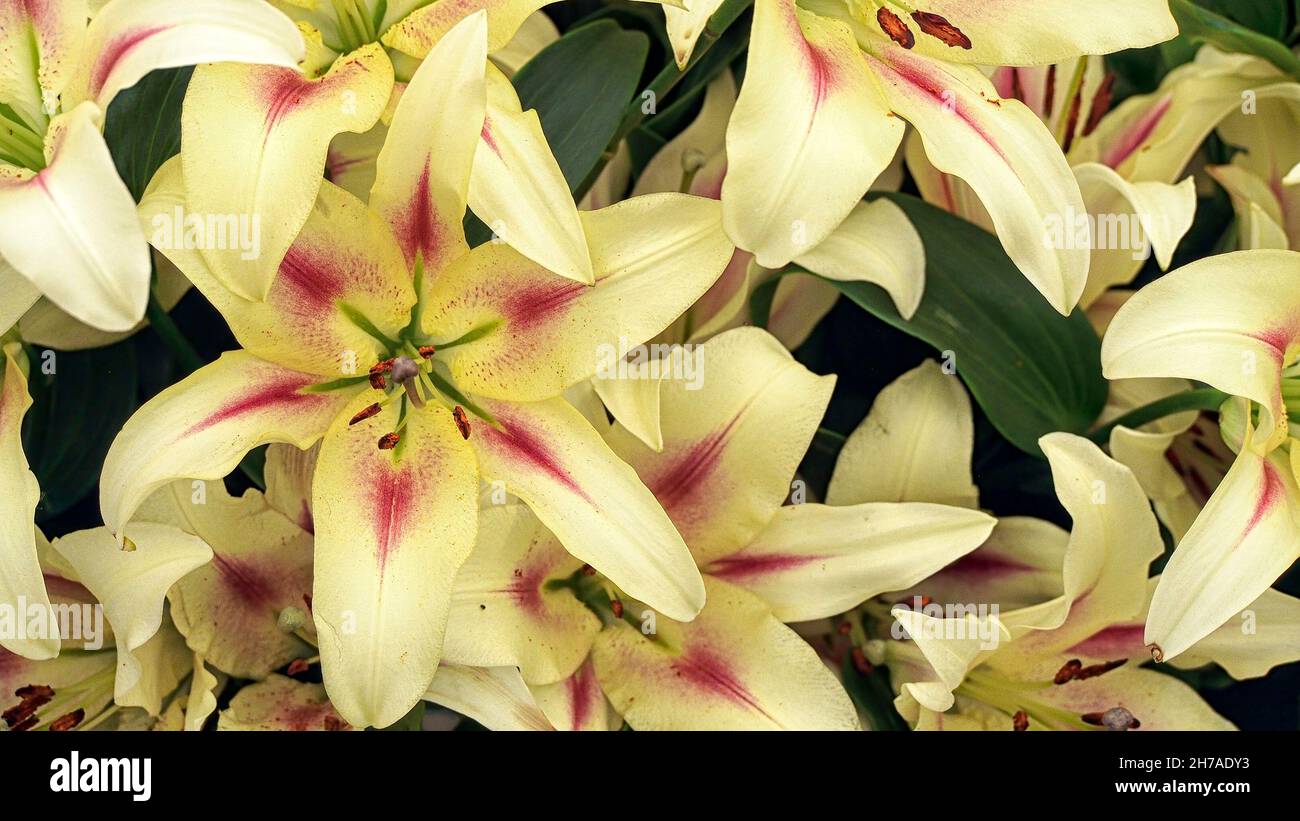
(1201, 25)
(143, 126)
(1030, 369)
(1268, 17)
(76, 412)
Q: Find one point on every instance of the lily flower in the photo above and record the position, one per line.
(730, 451)
(67, 221)
(257, 138)
(122, 660)
(1128, 160)
(1068, 662)
(828, 86)
(424, 367)
(1220, 321)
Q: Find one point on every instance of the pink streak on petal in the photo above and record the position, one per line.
(243, 579)
(1138, 133)
(280, 392)
(1115, 642)
(1270, 496)
(115, 51)
(739, 566)
(486, 135)
(417, 226)
(312, 278)
(518, 443)
(541, 302)
(677, 484)
(707, 671)
(392, 498)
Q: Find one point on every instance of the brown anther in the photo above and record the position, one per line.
(334, 723)
(845, 627)
(1068, 672)
(1098, 669)
(1095, 719)
(894, 26)
(1157, 654)
(297, 667)
(860, 662)
(1049, 89)
(66, 722)
(462, 421)
(365, 413)
(617, 607)
(25, 724)
(427, 351)
(1020, 721)
(938, 26)
(389, 441)
(1100, 104)
(377, 372)
(588, 570)
(34, 696)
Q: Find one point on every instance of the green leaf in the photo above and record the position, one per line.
(143, 126)
(1268, 17)
(1032, 370)
(1201, 25)
(580, 86)
(76, 411)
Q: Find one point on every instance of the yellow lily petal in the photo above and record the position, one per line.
(71, 228)
(127, 40)
(1018, 566)
(38, 44)
(289, 473)
(799, 304)
(350, 162)
(1243, 540)
(256, 139)
(420, 30)
(344, 260)
(577, 703)
(495, 697)
(700, 147)
(914, 446)
(132, 585)
(17, 295)
(733, 442)
(392, 529)
(532, 334)
(1005, 153)
(20, 573)
(876, 243)
(201, 427)
(517, 189)
(809, 134)
(280, 703)
(550, 457)
(734, 668)
(163, 661)
(685, 25)
(1131, 219)
(1158, 701)
(1261, 222)
(534, 34)
(1264, 635)
(200, 703)
(814, 561)
(1224, 320)
(1034, 32)
(228, 609)
(423, 171)
(503, 614)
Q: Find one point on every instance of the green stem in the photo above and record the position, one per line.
(664, 82)
(1201, 399)
(171, 335)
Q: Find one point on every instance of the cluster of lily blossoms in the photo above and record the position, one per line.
(464, 511)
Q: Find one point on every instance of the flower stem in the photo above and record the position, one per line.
(664, 82)
(171, 335)
(1201, 399)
